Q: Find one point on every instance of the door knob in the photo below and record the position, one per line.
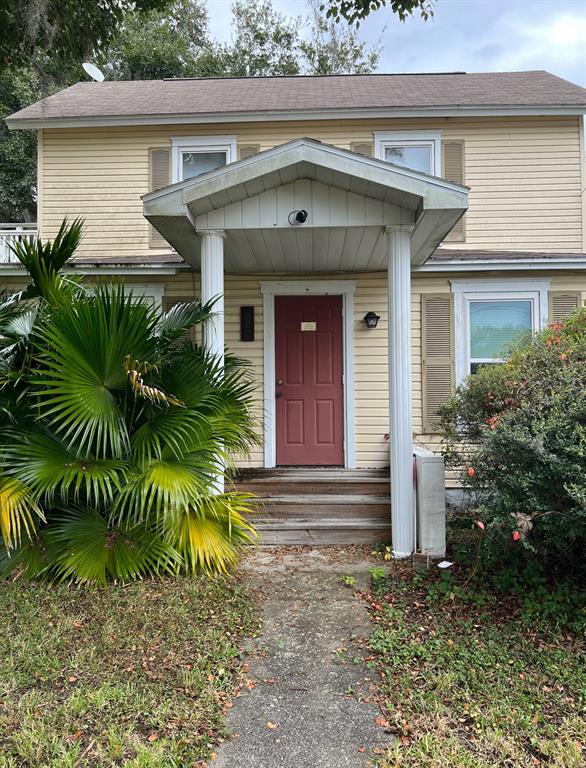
(278, 394)
(280, 382)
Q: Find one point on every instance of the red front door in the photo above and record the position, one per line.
(308, 387)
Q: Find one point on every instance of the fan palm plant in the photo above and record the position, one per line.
(114, 427)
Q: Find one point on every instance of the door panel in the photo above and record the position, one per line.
(309, 389)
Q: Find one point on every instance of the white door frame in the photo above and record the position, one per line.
(343, 288)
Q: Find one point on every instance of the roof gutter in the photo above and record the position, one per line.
(16, 270)
(24, 123)
(502, 265)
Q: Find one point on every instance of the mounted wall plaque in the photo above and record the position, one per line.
(246, 323)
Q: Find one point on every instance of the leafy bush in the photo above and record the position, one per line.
(517, 433)
(113, 430)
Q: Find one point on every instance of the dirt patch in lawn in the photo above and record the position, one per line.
(135, 676)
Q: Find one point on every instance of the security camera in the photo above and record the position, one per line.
(298, 217)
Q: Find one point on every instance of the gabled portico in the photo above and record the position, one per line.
(362, 215)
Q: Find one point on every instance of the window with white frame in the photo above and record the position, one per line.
(152, 292)
(490, 316)
(194, 156)
(416, 150)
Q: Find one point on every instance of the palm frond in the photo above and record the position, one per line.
(80, 378)
(44, 262)
(193, 376)
(181, 318)
(91, 551)
(135, 372)
(210, 537)
(172, 430)
(51, 472)
(17, 318)
(31, 559)
(168, 484)
(19, 511)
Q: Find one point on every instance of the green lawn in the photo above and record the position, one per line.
(134, 676)
(467, 681)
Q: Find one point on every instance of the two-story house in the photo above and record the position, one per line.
(373, 238)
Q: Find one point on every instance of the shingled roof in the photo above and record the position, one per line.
(156, 100)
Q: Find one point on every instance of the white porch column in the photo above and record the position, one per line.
(400, 405)
(212, 287)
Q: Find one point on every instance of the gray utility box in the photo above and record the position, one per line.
(430, 502)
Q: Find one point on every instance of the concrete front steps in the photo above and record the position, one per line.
(319, 506)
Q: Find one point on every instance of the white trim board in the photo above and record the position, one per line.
(535, 290)
(271, 115)
(270, 289)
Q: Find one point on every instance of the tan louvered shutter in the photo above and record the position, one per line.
(365, 148)
(437, 355)
(453, 170)
(159, 177)
(563, 303)
(247, 150)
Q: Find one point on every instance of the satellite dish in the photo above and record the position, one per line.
(95, 73)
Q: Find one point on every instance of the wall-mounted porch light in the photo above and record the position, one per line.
(371, 319)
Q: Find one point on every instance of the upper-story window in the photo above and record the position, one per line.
(416, 150)
(490, 315)
(194, 156)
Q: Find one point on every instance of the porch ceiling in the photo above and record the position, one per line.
(349, 198)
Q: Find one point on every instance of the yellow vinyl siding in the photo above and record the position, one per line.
(524, 174)
(370, 346)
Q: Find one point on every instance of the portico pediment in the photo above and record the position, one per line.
(349, 200)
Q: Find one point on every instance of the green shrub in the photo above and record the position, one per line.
(114, 427)
(517, 434)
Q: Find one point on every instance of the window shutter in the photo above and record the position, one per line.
(437, 355)
(562, 303)
(159, 177)
(365, 148)
(453, 170)
(247, 150)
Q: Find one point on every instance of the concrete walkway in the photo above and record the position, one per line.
(309, 704)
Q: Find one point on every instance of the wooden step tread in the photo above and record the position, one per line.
(308, 499)
(314, 478)
(301, 523)
(249, 474)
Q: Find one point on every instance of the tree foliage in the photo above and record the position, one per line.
(155, 40)
(69, 31)
(18, 149)
(159, 44)
(177, 43)
(113, 431)
(517, 432)
(355, 11)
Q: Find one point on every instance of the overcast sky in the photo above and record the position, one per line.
(468, 35)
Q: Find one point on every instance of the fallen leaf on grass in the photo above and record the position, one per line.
(152, 737)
